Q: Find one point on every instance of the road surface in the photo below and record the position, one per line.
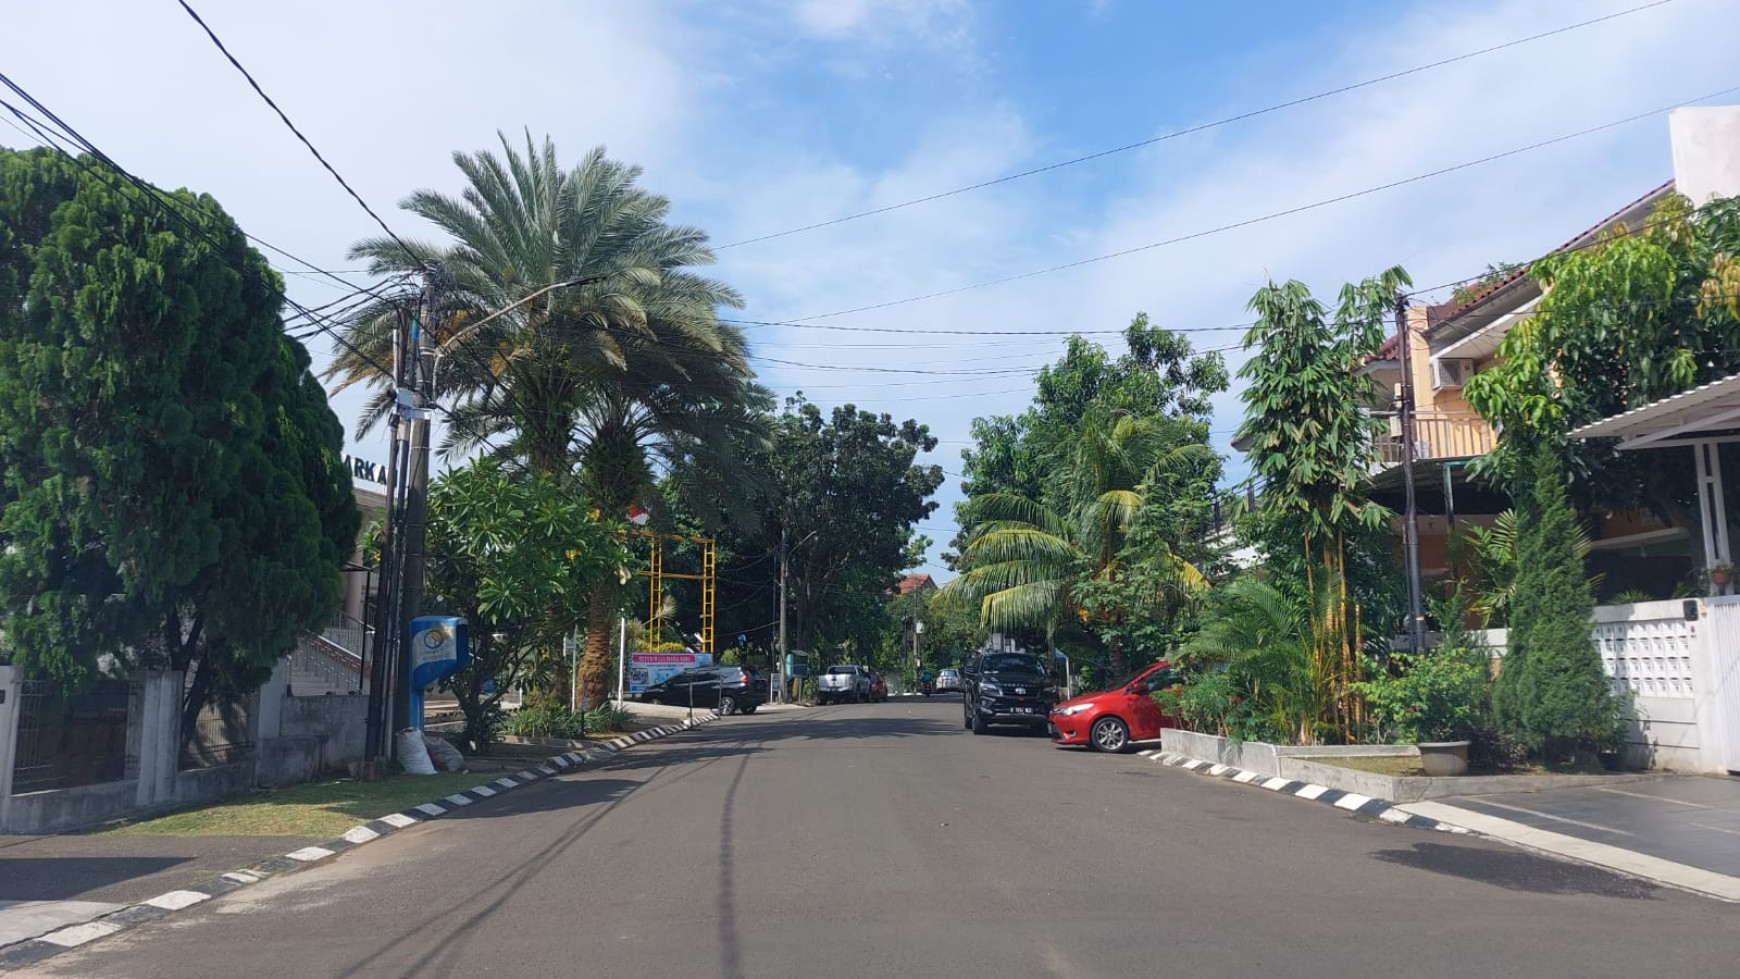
(884, 840)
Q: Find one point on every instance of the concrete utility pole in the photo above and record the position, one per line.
(1410, 519)
(376, 744)
(422, 351)
(784, 654)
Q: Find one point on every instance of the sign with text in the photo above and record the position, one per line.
(646, 669)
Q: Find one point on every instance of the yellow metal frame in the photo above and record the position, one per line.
(656, 574)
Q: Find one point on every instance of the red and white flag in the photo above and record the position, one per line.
(637, 516)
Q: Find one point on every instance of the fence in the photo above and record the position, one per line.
(66, 740)
(1439, 435)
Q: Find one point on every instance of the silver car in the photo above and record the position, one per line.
(947, 680)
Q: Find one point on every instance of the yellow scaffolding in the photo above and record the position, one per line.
(656, 574)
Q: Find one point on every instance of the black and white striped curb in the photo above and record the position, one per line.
(1353, 802)
(72, 936)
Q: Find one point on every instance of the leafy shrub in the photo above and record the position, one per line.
(609, 717)
(1439, 694)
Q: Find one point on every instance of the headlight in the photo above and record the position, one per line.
(989, 689)
(1072, 709)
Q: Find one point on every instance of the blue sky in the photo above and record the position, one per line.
(757, 116)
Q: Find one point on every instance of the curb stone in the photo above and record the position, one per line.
(1379, 809)
(33, 950)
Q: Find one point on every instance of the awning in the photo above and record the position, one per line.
(1690, 416)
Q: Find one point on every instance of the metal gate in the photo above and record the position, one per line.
(1723, 697)
(70, 739)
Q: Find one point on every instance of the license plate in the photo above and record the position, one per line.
(1023, 710)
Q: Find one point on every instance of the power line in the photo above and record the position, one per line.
(1275, 214)
(969, 333)
(1192, 129)
(292, 126)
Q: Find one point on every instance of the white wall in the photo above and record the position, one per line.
(1706, 146)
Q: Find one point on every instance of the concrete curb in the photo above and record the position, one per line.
(1379, 809)
(33, 950)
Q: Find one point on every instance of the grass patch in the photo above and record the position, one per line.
(314, 810)
(1397, 765)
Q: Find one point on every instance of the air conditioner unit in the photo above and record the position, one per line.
(1451, 373)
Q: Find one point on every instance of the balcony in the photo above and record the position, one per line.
(1437, 435)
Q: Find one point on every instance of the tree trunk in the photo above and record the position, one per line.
(594, 667)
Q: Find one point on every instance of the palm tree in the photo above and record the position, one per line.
(615, 359)
(1024, 559)
(1256, 656)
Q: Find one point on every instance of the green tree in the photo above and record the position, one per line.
(1552, 694)
(1310, 442)
(1639, 317)
(1026, 562)
(626, 368)
(171, 487)
(518, 557)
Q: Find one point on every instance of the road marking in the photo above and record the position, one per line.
(1586, 851)
(1556, 819)
(1274, 784)
(307, 854)
(1717, 829)
(456, 800)
(1311, 791)
(176, 900)
(505, 782)
(482, 790)
(1351, 801)
(1217, 769)
(1246, 777)
(399, 820)
(243, 877)
(1393, 815)
(77, 935)
(1652, 798)
(431, 809)
(360, 834)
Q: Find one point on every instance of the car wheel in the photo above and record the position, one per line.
(1109, 735)
(979, 725)
(966, 717)
(727, 706)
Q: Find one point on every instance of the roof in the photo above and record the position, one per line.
(1519, 283)
(1708, 408)
(916, 582)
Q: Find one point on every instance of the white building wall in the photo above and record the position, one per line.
(1706, 147)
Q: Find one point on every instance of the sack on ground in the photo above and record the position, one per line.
(446, 757)
(413, 754)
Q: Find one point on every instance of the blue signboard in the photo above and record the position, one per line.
(440, 646)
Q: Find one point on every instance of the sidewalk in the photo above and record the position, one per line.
(1679, 830)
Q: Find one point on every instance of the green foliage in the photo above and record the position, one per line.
(1252, 673)
(1493, 563)
(1496, 272)
(546, 722)
(1438, 694)
(171, 487)
(518, 556)
(1552, 695)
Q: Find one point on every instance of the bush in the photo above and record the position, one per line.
(609, 717)
(1439, 694)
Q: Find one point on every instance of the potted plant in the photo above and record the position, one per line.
(1434, 698)
(1721, 573)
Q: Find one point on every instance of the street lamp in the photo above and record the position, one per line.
(451, 341)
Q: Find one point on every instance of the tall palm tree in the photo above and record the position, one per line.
(1025, 558)
(597, 379)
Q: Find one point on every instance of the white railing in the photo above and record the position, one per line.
(1647, 649)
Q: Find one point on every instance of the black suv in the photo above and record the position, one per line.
(726, 689)
(1007, 688)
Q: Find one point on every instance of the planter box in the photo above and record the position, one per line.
(1308, 763)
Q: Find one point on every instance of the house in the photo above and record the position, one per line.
(1452, 342)
(915, 583)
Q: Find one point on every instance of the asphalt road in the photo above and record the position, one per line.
(886, 841)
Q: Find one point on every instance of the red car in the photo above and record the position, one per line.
(1113, 719)
(878, 689)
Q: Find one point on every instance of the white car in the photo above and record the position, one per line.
(947, 680)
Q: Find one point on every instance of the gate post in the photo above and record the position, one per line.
(9, 716)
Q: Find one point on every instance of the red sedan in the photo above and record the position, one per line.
(1113, 719)
(878, 689)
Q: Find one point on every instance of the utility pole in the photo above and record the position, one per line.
(785, 664)
(1410, 518)
(422, 353)
(376, 738)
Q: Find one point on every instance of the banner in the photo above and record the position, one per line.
(646, 669)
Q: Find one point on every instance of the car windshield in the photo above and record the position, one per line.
(949, 673)
(838, 670)
(1011, 663)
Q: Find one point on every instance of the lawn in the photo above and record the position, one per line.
(1400, 765)
(315, 810)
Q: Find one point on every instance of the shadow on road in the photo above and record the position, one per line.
(1516, 870)
(61, 878)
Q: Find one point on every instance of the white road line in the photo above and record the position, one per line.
(176, 900)
(77, 935)
(1652, 798)
(1556, 819)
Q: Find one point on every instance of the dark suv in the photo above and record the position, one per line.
(1007, 688)
(726, 689)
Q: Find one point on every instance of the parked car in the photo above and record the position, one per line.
(726, 689)
(843, 684)
(949, 681)
(1007, 688)
(878, 689)
(1114, 719)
